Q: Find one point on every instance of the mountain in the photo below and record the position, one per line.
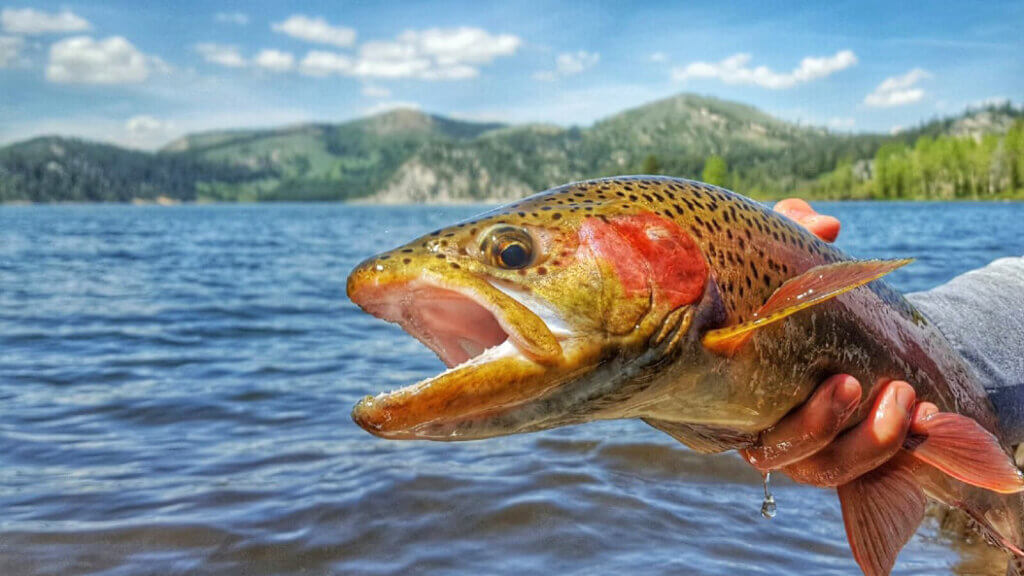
(410, 156)
(54, 169)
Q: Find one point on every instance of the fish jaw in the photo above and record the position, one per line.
(497, 393)
(501, 355)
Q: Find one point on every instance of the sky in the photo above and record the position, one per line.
(141, 74)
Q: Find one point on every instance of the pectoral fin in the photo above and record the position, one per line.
(881, 511)
(960, 447)
(817, 285)
(704, 439)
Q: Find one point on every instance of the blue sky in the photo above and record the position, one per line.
(140, 77)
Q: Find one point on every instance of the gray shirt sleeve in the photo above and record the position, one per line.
(981, 313)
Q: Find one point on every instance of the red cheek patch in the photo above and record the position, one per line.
(647, 250)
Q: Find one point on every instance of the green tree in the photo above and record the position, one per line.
(716, 171)
(892, 171)
(1014, 149)
(651, 165)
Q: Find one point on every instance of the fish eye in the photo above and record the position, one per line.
(508, 247)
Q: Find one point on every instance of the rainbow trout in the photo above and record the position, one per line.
(697, 310)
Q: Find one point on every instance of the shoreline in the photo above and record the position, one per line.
(170, 203)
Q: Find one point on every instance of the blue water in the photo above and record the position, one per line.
(175, 385)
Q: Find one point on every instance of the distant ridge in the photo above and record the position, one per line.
(410, 156)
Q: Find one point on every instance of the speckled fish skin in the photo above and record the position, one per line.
(632, 356)
(872, 333)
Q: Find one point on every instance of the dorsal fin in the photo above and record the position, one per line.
(813, 287)
(960, 447)
(881, 511)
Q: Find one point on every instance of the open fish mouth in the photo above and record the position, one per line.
(455, 326)
(498, 347)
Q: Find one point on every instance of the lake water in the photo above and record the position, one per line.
(175, 387)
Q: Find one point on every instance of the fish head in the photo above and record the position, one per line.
(543, 311)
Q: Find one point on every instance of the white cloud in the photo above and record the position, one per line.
(274, 60)
(10, 47)
(30, 22)
(146, 126)
(898, 90)
(315, 30)
(388, 106)
(83, 60)
(896, 129)
(145, 131)
(659, 57)
(236, 18)
(374, 91)
(320, 63)
(221, 55)
(143, 124)
(841, 123)
(569, 64)
(461, 45)
(735, 70)
(434, 54)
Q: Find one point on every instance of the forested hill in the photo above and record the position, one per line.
(409, 156)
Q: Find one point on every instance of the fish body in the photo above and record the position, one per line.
(694, 308)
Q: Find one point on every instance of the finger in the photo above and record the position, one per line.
(921, 411)
(794, 208)
(824, 227)
(810, 427)
(865, 447)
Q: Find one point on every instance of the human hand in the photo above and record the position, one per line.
(807, 444)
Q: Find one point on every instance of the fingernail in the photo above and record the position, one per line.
(905, 397)
(845, 396)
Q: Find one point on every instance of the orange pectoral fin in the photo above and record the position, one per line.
(881, 511)
(960, 447)
(817, 285)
